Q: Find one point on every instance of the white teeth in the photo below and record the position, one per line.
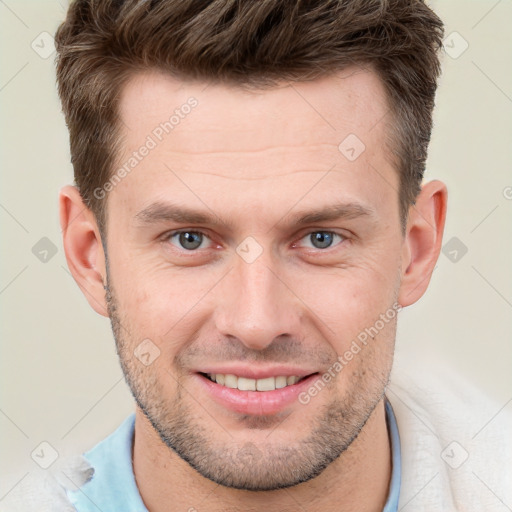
(231, 381)
(280, 382)
(268, 384)
(245, 384)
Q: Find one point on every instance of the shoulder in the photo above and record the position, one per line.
(456, 443)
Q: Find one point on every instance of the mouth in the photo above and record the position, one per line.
(263, 396)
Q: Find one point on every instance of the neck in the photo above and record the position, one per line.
(357, 480)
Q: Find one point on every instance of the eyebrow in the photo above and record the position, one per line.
(159, 212)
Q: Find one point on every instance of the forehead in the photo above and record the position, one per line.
(322, 110)
(266, 143)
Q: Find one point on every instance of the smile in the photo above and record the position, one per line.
(248, 396)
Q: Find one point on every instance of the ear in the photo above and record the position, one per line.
(422, 241)
(83, 247)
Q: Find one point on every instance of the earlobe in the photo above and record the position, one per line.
(423, 241)
(83, 247)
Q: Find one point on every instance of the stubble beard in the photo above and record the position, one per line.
(249, 466)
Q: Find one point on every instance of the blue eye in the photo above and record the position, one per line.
(322, 239)
(189, 240)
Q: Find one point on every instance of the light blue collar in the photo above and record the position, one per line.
(396, 459)
(112, 487)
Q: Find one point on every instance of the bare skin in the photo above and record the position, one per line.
(256, 161)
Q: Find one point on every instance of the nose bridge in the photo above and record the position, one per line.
(256, 306)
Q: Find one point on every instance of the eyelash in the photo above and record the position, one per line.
(168, 236)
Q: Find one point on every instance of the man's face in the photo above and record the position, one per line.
(252, 292)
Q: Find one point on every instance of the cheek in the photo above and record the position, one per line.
(139, 295)
(161, 303)
(346, 301)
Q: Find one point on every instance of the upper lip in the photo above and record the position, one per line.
(254, 372)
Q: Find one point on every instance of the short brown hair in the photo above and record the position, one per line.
(253, 43)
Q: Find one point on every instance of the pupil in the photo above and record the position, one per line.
(190, 240)
(324, 239)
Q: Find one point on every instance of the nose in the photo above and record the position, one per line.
(256, 305)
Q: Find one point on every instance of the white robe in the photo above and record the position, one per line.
(456, 443)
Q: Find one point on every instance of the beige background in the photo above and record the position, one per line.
(61, 381)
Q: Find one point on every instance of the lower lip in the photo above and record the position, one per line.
(254, 402)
